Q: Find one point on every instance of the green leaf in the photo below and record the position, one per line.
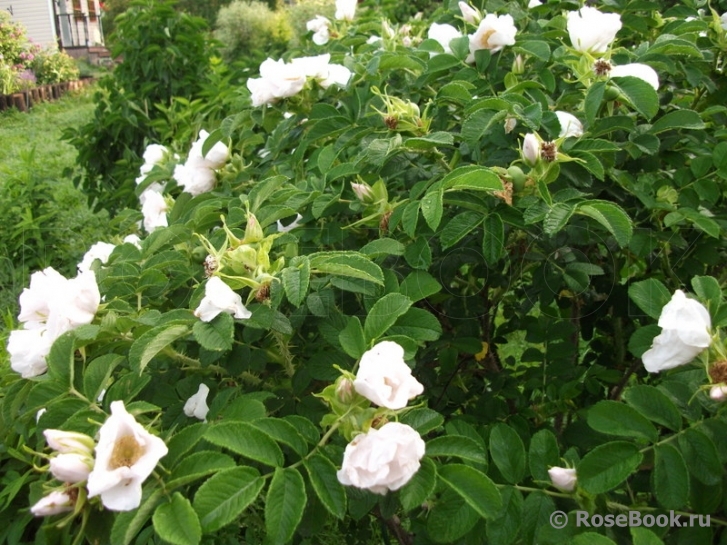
(594, 98)
(352, 338)
(709, 291)
(607, 466)
(639, 94)
(701, 456)
(471, 177)
(450, 518)
(97, 374)
(322, 475)
(61, 358)
(422, 420)
(459, 227)
(296, 278)
(417, 324)
(346, 264)
(592, 538)
(458, 446)
(246, 440)
(419, 285)
(222, 498)
(432, 208)
(543, 454)
(670, 478)
(198, 465)
(654, 405)
(678, 119)
(284, 432)
(642, 339)
(284, 505)
(152, 342)
(245, 409)
(183, 441)
(382, 247)
(536, 48)
(474, 487)
(384, 314)
(216, 335)
(557, 218)
(176, 522)
(614, 418)
(650, 295)
(504, 528)
(430, 141)
(493, 240)
(420, 487)
(508, 452)
(644, 536)
(611, 216)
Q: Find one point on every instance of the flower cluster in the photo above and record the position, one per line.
(197, 174)
(386, 458)
(51, 306)
(279, 79)
(126, 454)
(153, 206)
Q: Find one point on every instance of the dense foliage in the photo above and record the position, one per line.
(447, 279)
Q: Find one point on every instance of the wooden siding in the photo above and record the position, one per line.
(37, 18)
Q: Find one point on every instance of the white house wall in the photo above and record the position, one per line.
(37, 18)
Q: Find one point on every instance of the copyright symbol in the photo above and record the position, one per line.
(558, 520)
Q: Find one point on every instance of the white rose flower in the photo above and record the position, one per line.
(373, 39)
(531, 149)
(71, 467)
(154, 154)
(133, 239)
(285, 79)
(723, 21)
(218, 298)
(685, 334)
(75, 306)
(261, 92)
(196, 406)
(591, 31)
(534, 4)
(126, 454)
(40, 413)
(52, 504)
(155, 210)
(345, 9)
(563, 478)
(443, 34)
(215, 158)
(28, 349)
(194, 179)
(637, 70)
(569, 125)
(337, 75)
(34, 300)
(319, 27)
(384, 378)
(382, 460)
(469, 14)
(285, 228)
(100, 251)
(493, 33)
(69, 441)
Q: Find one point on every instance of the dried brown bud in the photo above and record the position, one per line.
(602, 67)
(391, 122)
(718, 372)
(263, 293)
(548, 151)
(384, 223)
(210, 265)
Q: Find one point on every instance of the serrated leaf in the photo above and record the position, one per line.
(97, 374)
(450, 518)
(650, 295)
(670, 479)
(472, 177)
(614, 418)
(146, 347)
(417, 324)
(384, 314)
(129, 523)
(457, 446)
(284, 505)
(493, 239)
(383, 246)
(420, 487)
(296, 279)
(216, 335)
(223, 497)
(198, 465)
(654, 405)
(474, 487)
(640, 94)
(246, 440)
(643, 536)
(419, 285)
(611, 216)
(432, 208)
(709, 291)
(422, 420)
(678, 119)
(557, 218)
(176, 522)
(607, 466)
(508, 452)
(346, 264)
(284, 432)
(61, 359)
(701, 456)
(459, 227)
(543, 454)
(352, 338)
(592, 538)
(322, 475)
(594, 97)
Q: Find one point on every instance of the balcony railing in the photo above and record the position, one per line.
(74, 29)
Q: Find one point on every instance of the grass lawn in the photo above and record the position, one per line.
(46, 221)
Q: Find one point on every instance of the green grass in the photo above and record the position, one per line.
(46, 221)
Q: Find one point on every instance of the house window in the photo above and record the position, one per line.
(77, 9)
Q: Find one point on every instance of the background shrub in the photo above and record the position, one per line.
(250, 31)
(52, 66)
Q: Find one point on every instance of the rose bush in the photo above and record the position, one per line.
(425, 301)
